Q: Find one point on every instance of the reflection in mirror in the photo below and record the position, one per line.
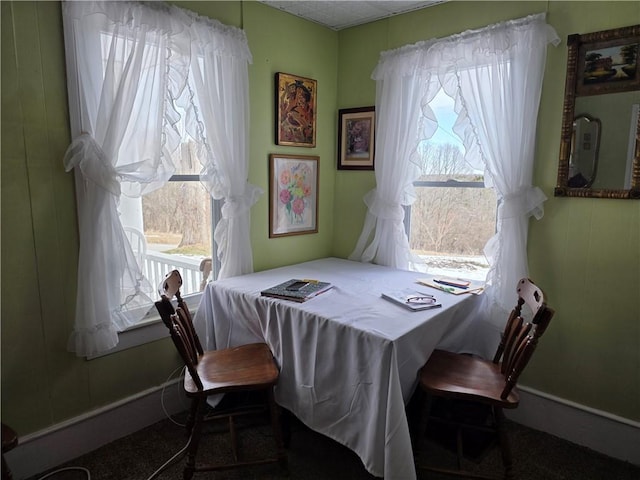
(634, 141)
(583, 158)
(602, 90)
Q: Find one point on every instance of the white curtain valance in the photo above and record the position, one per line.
(463, 50)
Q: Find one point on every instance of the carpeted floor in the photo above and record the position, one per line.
(312, 456)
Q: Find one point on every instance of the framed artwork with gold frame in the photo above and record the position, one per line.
(296, 103)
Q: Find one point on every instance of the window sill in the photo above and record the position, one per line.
(149, 329)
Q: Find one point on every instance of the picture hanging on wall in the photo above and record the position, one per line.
(293, 195)
(607, 61)
(296, 99)
(356, 131)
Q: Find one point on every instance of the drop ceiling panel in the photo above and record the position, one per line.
(347, 13)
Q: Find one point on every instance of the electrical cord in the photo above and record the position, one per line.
(166, 464)
(169, 462)
(164, 408)
(183, 450)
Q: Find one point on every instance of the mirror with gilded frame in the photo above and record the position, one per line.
(600, 139)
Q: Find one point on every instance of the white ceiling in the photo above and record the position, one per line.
(347, 13)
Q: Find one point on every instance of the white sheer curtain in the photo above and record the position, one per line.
(220, 81)
(495, 75)
(128, 67)
(404, 119)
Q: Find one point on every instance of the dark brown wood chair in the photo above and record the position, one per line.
(247, 368)
(9, 442)
(465, 378)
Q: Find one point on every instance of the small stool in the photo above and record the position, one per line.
(9, 442)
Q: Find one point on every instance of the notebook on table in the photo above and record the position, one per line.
(297, 290)
(412, 299)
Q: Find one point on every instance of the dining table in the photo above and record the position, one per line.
(348, 358)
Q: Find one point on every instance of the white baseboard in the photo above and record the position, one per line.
(46, 449)
(614, 436)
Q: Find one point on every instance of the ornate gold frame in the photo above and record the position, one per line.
(576, 45)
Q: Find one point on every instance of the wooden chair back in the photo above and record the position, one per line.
(520, 339)
(169, 288)
(179, 322)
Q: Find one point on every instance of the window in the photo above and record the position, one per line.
(454, 214)
(140, 77)
(171, 227)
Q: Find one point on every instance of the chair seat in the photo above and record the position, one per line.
(455, 375)
(240, 368)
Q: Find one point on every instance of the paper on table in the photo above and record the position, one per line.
(474, 287)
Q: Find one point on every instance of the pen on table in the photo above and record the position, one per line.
(442, 282)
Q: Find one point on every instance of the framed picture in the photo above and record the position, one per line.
(296, 100)
(293, 195)
(356, 131)
(607, 61)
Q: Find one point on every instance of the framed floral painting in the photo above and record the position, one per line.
(296, 99)
(293, 195)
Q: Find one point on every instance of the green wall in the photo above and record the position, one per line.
(585, 253)
(574, 249)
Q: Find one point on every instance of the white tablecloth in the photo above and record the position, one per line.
(349, 359)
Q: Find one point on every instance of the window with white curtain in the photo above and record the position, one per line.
(158, 103)
(171, 227)
(494, 74)
(451, 201)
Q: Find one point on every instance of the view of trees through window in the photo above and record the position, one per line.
(454, 215)
(175, 222)
(177, 219)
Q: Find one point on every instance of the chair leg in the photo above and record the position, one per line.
(423, 419)
(285, 421)
(191, 417)
(459, 447)
(197, 409)
(6, 473)
(277, 430)
(505, 449)
(234, 439)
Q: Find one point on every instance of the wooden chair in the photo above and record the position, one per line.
(247, 368)
(9, 442)
(461, 377)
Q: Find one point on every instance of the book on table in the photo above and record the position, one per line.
(412, 299)
(297, 290)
